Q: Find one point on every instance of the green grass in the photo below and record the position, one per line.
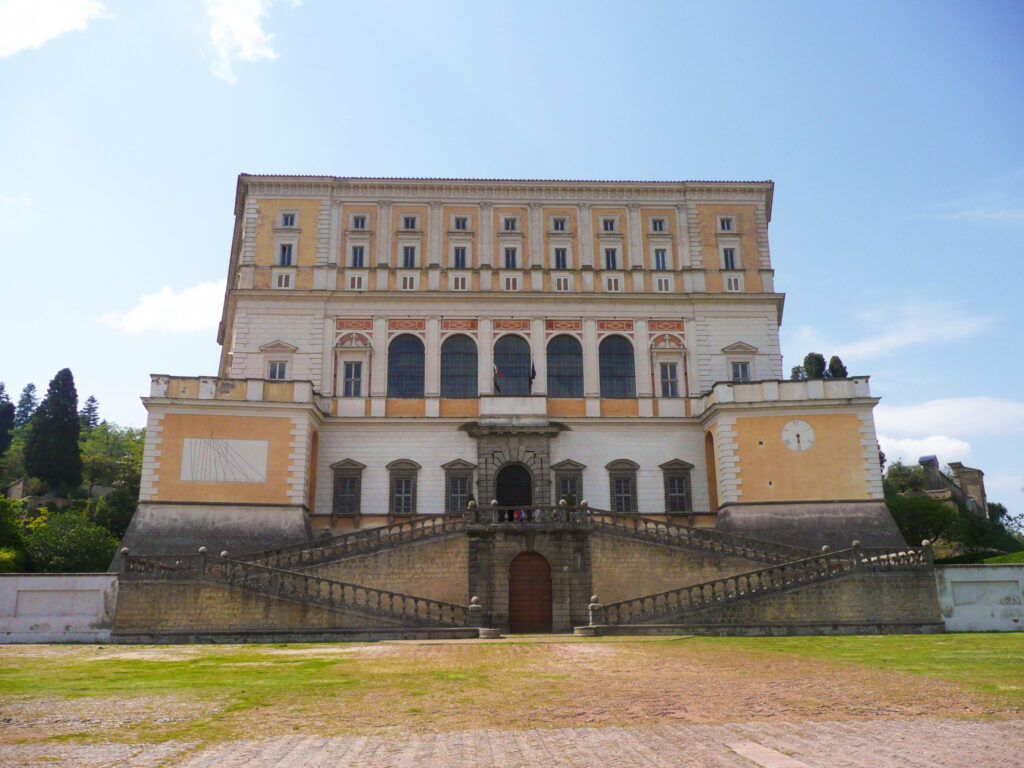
(1013, 557)
(987, 662)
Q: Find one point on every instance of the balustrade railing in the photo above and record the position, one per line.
(298, 586)
(775, 578)
(699, 538)
(527, 515)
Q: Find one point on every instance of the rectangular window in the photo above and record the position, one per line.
(283, 281)
(612, 284)
(624, 493)
(567, 483)
(561, 283)
(277, 370)
(403, 496)
(353, 379)
(459, 283)
(460, 222)
(741, 371)
(287, 219)
(408, 282)
(511, 283)
(725, 224)
(510, 258)
(660, 258)
(357, 256)
(733, 284)
(558, 225)
(346, 493)
(561, 258)
(459, 257)
(510, 224)
(669, 380)
(358, 222)
(355, 282)
(676, 496)
(657, 225)
(729, 258)
(409, 257)
(663, 285)
(284, 257)
(458, 492)
(607, 225)
(409, 222)
(611, 258)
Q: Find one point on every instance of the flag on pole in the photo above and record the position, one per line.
(533, 374)
(497, 379)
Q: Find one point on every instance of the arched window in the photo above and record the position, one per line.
(458, 367)
(512, 366)
(616, 362)
(565, 367)
(405, 367)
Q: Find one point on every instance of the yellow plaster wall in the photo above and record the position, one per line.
(278, 391)
(668, 214)
(308, 221)
(397, 406)
(498, 254)
(275, 430)
(571, 228)
(620, 407)
(472, 213)
(460, 407)
(398, 212)
(625, 257)
(186, 388)
(567, 406)
(833, 467)
(370, 212)
(745, 226)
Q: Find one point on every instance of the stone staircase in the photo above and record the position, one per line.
(374, 604)
(675, 605)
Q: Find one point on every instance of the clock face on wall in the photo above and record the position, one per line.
(797, 435)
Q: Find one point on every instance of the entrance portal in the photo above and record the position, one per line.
(529, 593)
(514, 487)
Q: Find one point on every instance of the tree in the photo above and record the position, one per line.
(68, 542)
(27, 404)
(814, 365)
(836, 369)
(51, 447)
(6, 425)
(89, 416)
(900, 478)
(919, 518)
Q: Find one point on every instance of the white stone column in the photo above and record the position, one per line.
(682, 244)
(334, 241)
(434, 229)
(432, 360)
(379, 371)
(642, 358)
(591, 372)
(486, 236)
(634, 234)
(485, 358)
(586, 236)
(536, 257)
(538, 353)
(384, 233)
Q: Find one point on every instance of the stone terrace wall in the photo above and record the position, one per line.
(891, 597)
(436, 568)
(624, 568)
(179, 606)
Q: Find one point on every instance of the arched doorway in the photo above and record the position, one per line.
(529, 593)
(514, 487)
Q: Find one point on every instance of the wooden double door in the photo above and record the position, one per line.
(529, 594)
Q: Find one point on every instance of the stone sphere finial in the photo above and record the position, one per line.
(584, 503)
(926, 543)
(202, 550)
(124, 551)
(224, 553)
(826, 548)
(474, 600)
(561, 503)
(494, 502)
(855, 543)
(593, 599)
(472, 504)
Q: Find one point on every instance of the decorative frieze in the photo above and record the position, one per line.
(353, 324)
(406, 324)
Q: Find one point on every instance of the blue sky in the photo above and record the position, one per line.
(894, 134)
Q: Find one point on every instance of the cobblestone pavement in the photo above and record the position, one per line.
(918, 743)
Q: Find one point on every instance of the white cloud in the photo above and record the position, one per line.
(28, 24)
(237, 34)
(914, 323)
(909, 450)
(955, 415)
(191, 309)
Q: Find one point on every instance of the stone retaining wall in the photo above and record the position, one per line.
(57, 607)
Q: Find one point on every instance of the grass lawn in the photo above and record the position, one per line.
(212, 693)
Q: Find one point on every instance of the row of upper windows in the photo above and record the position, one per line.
(403, 489)
(461, 223)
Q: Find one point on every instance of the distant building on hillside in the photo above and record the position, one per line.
(965, 488)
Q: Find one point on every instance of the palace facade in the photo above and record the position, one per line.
(393, 348)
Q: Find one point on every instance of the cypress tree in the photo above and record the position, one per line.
(26, 405)
(51, 446)
(814, 365)
(89, 416)
(6, 425)
(836, 369)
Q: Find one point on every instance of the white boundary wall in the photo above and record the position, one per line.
(981, 598)
(57, 607)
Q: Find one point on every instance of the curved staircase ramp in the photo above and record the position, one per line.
(755, 584)
(300, 587)
(356, 542)
(688, 537)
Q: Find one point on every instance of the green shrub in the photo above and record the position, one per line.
(68, 542)
(11, 560)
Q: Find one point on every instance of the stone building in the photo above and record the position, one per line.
(392, 348)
